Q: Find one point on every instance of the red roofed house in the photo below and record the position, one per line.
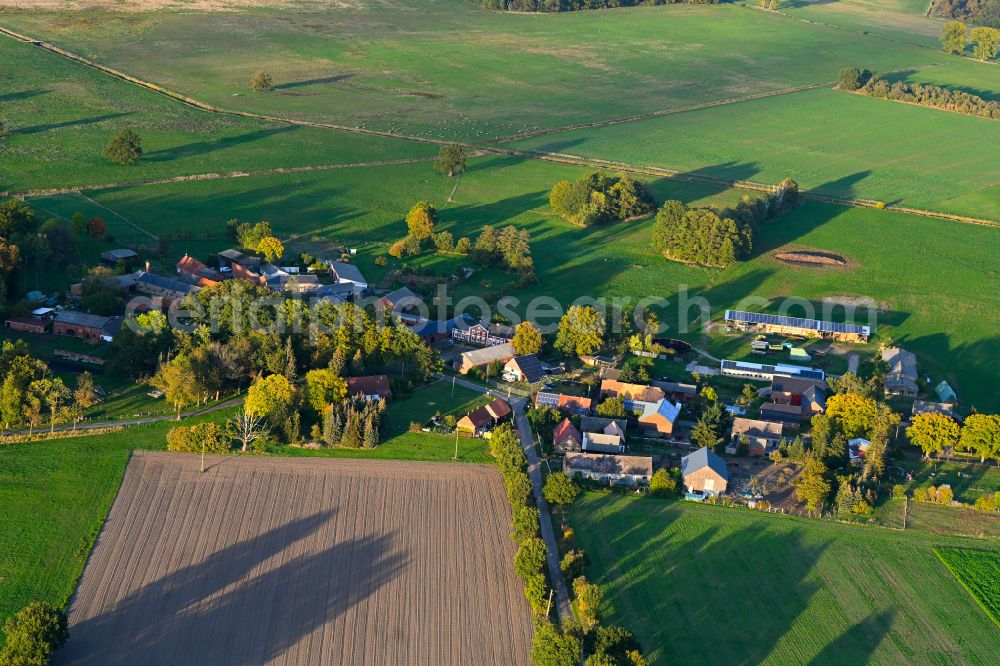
(372, 387)
(566, 438)
(240, 272)
(197, 272)
(631, 392)
(479, 420)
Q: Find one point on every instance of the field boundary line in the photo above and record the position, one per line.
(511, 152)
(662, 112)
(222, 175)
(120, 217)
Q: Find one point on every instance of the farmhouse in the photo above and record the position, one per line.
(565, 403)
(80, 325)
(631, 393)
(38, 323)
(195, 272)
(479, 357)
(628, 470)
(755, 322)
(348, 274)
(901, 379)
(430, 331)
(482, 419)
(565, 437)
(524, 369)
(760, 437)
(705, 472)
(790, 415)
(400, 300)
(597, 442)
(164, 288)
(371, 387)
(766, 373)
(808, 394)
(659, 416)
(605, 425)
(482, 333)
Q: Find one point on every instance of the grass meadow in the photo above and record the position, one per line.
(940, 299)
(700, 583)
(447, 69)
(979, 573)
(59, 115)
(831, 142)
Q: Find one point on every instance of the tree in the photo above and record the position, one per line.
(451, 160)
(261, 82)
(33, 634)
(52, 393)
(324, 387)
(853, 414)
(981, 435)
(97, 227)
(249, 236)
(270, 247)
(85, 394)
(581, 330)
(247, 429)
(933, 432)
(987, 43)
(953, 37)
(176, 379)
(530, 558)
(613, 408)
(527, 339)
(463, 245)
(813, 487)
(662, 484)
(270, 397)
(552, 647)
(444, 241)
(588, 599)
(560, 490)
(208, 437)
(421, 220)
(711, 426)
(124, 148)
(850, 79)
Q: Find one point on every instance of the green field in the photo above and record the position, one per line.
(400, 444)
(702, 584)
(59, 115)
(832, 142)
(940, 297)
(445, 68)
(979, 572)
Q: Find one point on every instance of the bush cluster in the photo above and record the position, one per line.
(598, 198)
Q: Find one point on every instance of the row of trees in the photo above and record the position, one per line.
(980, 12)
(985, 40)
(934, 433)
(30, 393)
(864, 82)
(599, 198)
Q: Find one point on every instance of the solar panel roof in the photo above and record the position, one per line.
(795, 322)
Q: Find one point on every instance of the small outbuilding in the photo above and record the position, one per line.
(705, 472)
(526, 368)
(628, 470)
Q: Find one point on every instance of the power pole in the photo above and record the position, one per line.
(202, 456)
(456, 444)
(453, 386)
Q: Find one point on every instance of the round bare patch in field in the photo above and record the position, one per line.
(811, 258)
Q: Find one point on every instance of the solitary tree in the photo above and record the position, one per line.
(97, 227)
(953, 38)
(270, 397)
(85, 395)
(247, 429)
(662, 484)
(261, 82)
(987, 43)
(933, 432)
(421, 220)
(451, 160)
(176, 379)
(33, 634)
(560, 490)
(125, 147)
(527, 339)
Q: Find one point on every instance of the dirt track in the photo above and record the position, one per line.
(301, 562)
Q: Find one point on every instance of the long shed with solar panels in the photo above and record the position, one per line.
(766, 373)
(757, 322)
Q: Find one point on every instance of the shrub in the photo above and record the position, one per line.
(207, 437)
(124, 148)
(33, 634)
(662, 484)
(381, 261)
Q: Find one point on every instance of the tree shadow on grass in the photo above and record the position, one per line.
(859, 643)
(226, 610)
(78, 122)
(315, 82)
(23, 94)
(205, 147)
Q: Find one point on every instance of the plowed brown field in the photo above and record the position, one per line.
(301, 562)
